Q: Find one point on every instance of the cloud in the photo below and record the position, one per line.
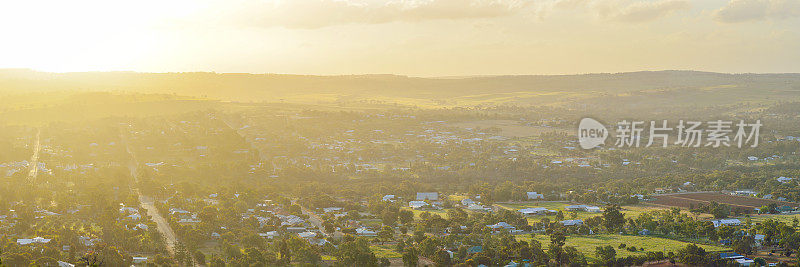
(625, 11)
(639, 11)
(754, 10)
(310, 14)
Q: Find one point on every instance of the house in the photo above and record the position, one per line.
(365, 232)
(644, 232)
(594, 209)
(726, 222)
(572, 222)
(752, 158)
(270, 234)
(139, 260)
(745, 193)
(307, 234)
(784, 179)
(501, 226)
(536, 211)
(730, 256)
(417, 204)
(534, 195)
(65, 264)
(434, 196)
(466, 202)
(759, 240)
(584, 208)
(744, 261)
(331, 209)
(35, 240)
(389, 198)
(785, 209)
(477, 207)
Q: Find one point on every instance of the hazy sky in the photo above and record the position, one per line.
(411, 37)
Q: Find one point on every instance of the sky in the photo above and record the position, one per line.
(408, 37)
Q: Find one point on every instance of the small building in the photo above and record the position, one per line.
(389, 198)
(477, 207)
(726, 222)
(433, 196)
(365, 232)
(536, 211)
(35, 240)
(501, 226)
(644, 232)
(417, 204)
(534, 195)
(572, 222)
(466, 202)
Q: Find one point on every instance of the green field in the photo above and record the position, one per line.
(385, 251)
(785, 218)
(442, 212)
(587, 244)
(630, 211)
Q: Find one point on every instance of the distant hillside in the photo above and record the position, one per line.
(674, 86)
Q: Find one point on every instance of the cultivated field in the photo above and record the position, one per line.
(687, 200)
(587, 244)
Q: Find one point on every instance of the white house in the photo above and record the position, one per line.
(572, 222)
(417, 204)
(477, 207)
(331, 209)
(501, 226)
(389, 198)
(784, 179)
(28, 241)
(536, 211)
(466, 202)
(307, 234)
(534, 195)
(365, 232)
(270, 234)
(726, 222)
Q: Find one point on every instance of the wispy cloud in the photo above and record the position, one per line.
(312, 14)
(640, 11)
(754, 10)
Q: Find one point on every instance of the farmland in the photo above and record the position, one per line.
(741, 203)
(587, 244)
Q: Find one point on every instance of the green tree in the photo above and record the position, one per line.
(613, 220)
(410, 256)
(606, 255)
(692, 255)
(356, 253)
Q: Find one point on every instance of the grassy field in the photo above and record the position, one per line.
(587, 244)
(785, 218)
(630, 211)
(385, 251)
(442, 212)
